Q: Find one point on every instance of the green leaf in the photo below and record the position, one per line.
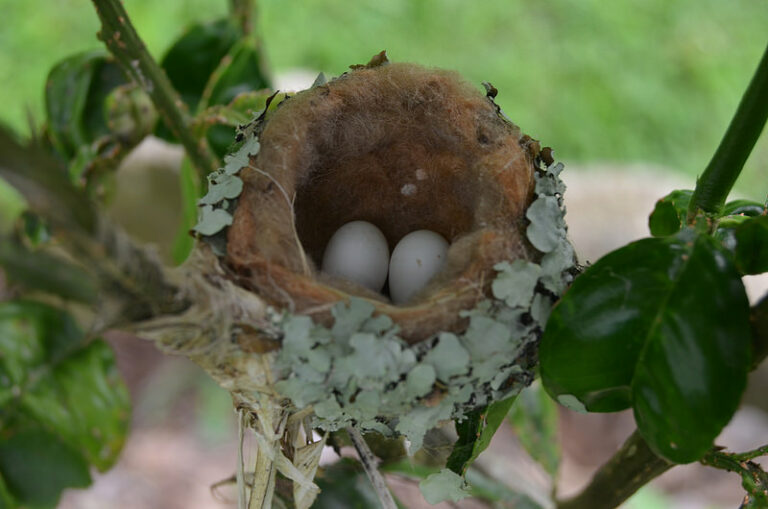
(38, 270)
(743, 207)
(669, 214)
(75, 99)
(107, 78)
(240, 71)
(534, 418)
(475, 434)
(190, 194)
(37, 466)
(6, 499)
(11, 206)
(192, 59)
(66, 93)
(751, 252)
(661, 325)
(54, 381)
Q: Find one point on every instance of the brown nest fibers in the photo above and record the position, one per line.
(400, 146)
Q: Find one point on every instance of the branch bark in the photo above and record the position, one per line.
(632, 467)
(121, 39)
(132, 280)
(759, 320)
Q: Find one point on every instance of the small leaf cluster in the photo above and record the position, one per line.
(662, 326)
(63, 406)
(95, 116)
(219, 73)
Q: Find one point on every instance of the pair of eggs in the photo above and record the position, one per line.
(358, 251)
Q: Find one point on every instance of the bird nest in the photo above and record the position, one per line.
(405, 148)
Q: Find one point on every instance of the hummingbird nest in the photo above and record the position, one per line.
(405, 148)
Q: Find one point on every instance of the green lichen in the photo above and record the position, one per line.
(444, 485)
(224, 186)
(359, 372)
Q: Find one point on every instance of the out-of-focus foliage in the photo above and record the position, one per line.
(654, 81)
(63, 406)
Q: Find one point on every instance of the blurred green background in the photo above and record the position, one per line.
(651, 81)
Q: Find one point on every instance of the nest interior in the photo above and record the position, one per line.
(404, 148)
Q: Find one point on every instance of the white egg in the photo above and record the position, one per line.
(358, 251)
(415, 260)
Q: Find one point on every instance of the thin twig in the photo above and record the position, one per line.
(121, 39)
(368, 461)
(750, 455)
(242, 12)
(241, 427)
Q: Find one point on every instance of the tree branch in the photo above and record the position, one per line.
(759, 320)
(127, 274)
(242, 12)
(633, 466)
(715, 183)
(121, 39)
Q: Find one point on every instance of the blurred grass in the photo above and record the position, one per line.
(645, 80)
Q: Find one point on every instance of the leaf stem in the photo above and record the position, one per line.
(715, 183)
(120, 37)
(368, 461)
(633, 466)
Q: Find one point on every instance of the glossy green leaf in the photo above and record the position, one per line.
(534, 418)
(219, 122)
(107, 77)
(75, 97)
(190, 194)
(475, 434)
(660, 325)
(39, 270)
(669, 214)
(37, 466)
(191, 60)
(751, 250)
(743, 207)
(66, 94)
(54, 380)
(240, 71)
